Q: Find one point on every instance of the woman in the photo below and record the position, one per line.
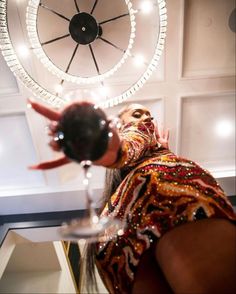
(176, 217)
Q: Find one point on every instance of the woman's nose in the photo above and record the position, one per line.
(148, 118)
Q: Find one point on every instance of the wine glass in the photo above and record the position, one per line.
(83, 134)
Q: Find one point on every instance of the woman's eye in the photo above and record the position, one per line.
(137, 114)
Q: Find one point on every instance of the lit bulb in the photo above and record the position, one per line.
(23, 51)
(146, 7)
(58, 88)
(104, 90)
(224, 128)
(139, 60)
(95, 96)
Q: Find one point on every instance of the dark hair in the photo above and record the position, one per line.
(112, 181)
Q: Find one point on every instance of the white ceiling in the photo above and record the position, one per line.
(192, 91)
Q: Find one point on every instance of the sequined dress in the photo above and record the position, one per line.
(159, 192)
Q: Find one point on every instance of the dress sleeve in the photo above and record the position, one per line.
(136, 139)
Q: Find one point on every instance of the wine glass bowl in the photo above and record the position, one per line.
(83, 132)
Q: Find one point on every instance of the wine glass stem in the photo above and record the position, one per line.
(89, 202)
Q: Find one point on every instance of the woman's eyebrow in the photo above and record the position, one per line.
(139, 109)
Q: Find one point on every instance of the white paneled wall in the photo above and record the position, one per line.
(209, 44)
(16, 153)
(211, 144)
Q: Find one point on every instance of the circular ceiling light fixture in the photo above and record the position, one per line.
(82, 45)
(84, 30)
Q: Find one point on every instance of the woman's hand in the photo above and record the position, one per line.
(162, 136)
(54, 117)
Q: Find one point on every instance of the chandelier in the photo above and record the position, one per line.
(81, 48)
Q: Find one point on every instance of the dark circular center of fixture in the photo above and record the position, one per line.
(83, 28)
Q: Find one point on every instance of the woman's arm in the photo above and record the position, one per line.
(130, 144)
(124, 147)
(111, 155)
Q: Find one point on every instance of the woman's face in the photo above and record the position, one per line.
(136, 113)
